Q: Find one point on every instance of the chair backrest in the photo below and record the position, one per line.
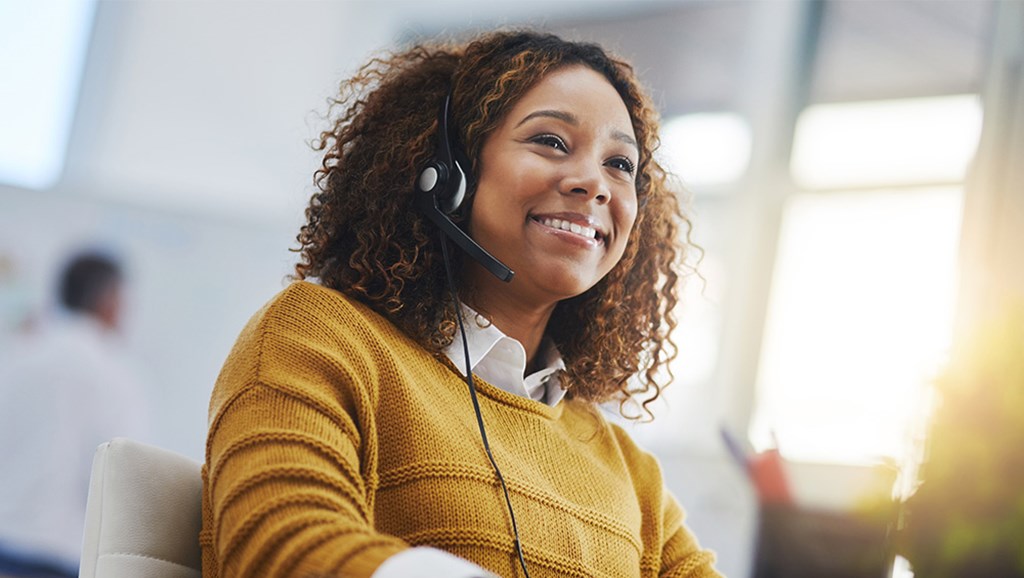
(144, 514)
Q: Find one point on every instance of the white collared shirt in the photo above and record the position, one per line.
(501, 361)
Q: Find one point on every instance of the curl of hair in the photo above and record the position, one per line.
(364, 238)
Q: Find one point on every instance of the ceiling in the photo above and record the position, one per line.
(694, 53)
(209, 106)
(894, 49)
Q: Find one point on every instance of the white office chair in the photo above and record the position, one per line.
(143, 515)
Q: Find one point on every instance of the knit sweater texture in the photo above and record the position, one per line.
(336, 441)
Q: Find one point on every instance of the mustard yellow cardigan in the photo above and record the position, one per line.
(336, 441)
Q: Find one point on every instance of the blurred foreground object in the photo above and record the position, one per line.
(798, 539)
(66, 387)
(802, 542)
(967, 517)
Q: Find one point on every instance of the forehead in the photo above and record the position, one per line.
(579, 90)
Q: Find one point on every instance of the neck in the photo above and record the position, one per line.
(523, 322)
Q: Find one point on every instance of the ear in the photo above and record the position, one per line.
(108, 307)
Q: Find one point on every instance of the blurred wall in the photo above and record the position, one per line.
(189, 156)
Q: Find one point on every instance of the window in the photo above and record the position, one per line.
(42, 53)
(889, 142)
(862, 297)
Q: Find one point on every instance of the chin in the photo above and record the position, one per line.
(566, 286)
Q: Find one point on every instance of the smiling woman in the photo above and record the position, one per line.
(556, 199)
(342, 439)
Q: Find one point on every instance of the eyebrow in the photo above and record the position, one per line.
(570, 118)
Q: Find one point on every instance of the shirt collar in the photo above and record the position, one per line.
(501, 360)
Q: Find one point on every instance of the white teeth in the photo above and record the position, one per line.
(581, 230)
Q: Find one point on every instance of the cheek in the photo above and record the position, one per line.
(502, 185)
(491, 214)
(627, 223)
(627, 217)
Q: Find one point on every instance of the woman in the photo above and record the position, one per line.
(343, 440)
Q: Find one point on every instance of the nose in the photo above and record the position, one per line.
(585, 178)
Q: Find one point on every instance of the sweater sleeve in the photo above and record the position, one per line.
(681, 556)
(673, 550)
(291, 453)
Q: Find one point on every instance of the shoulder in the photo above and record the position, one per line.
(318, 315)
(311, 304)
(307, 340)
(643, 465)
(62, 349)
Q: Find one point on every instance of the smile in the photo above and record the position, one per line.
(574, 228)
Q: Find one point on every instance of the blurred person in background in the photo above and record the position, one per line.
(65, 388)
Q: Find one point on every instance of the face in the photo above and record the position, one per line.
(556, 197)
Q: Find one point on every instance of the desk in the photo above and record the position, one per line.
(795, 542)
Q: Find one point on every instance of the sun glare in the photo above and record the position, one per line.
(863, 292)
(860, 319)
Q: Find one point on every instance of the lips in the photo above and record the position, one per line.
(581, 225)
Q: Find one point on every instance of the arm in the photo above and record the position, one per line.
(291, 451)
(681, 556)
(671, 550)
(285, 490)
(314, 507)
(292, 454)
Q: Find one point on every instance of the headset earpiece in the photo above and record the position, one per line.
(440, 191)
(443, 177)
(446, 185)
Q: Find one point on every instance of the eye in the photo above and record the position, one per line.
(622, 164)
(550, 140)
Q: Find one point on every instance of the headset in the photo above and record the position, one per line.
(440, 192)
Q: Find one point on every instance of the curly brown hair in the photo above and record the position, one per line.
(364, 238)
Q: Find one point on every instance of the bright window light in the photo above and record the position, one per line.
(859, 321)
(883, 143)
(706, 149)
(42, 52)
